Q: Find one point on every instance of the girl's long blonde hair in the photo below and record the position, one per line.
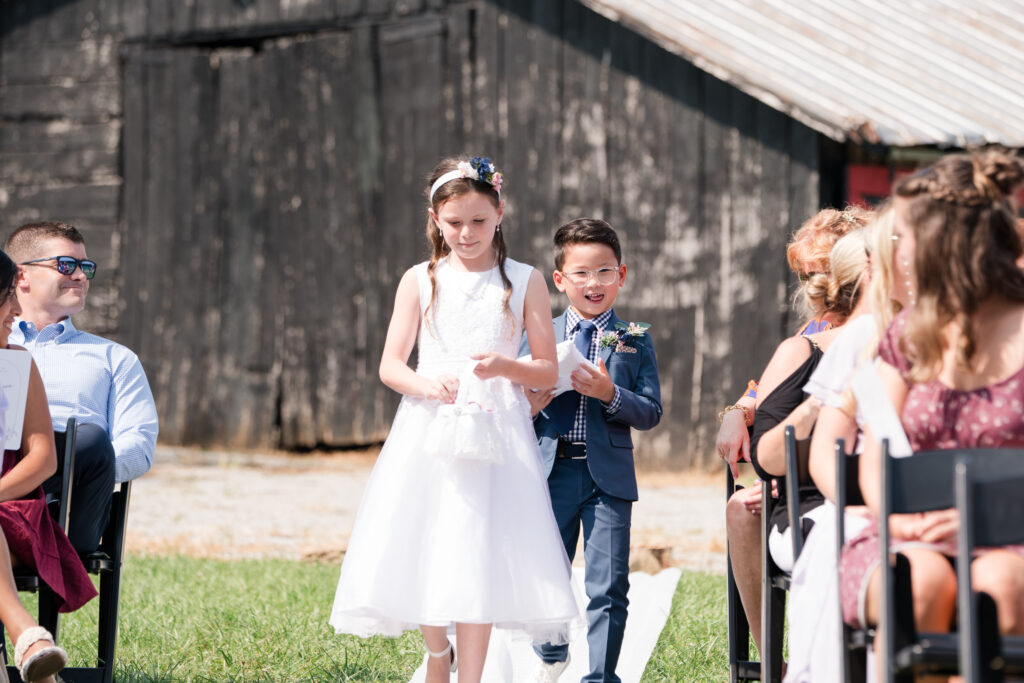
(438, 247)
(966, 251)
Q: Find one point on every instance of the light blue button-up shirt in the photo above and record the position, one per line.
(98, 382)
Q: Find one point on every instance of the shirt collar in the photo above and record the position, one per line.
(58, 332)
(572, 320)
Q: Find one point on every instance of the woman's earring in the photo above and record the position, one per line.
(498, 229)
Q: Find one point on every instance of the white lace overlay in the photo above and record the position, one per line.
(450, 530)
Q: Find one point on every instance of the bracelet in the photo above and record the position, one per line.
(736, 406)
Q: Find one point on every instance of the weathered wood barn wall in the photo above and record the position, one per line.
(249, 174)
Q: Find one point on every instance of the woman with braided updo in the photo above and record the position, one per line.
(808, 256)
(954, 370)
(781, 402)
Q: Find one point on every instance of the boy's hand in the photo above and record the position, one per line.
(539, 400)
(594, 383)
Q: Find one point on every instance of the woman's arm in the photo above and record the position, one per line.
(402, 330)
(733, 440)
(871, 456)
(787, 357)
(832, 424)
(771, 449)
(542, 371)
(39, 454)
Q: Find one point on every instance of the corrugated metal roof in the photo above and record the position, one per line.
(912, 72)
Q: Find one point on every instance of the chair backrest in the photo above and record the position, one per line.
(923, 482)
(798, 454)
(847, 493)
(65, 442)
(991, 508)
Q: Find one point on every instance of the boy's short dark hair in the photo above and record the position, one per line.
(585, 230)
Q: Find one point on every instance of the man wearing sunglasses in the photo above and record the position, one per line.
(97, 381)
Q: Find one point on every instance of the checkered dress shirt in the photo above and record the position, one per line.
(572, 325)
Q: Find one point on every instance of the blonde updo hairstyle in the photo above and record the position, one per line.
(808, 252)
(847, 274)
(961, 214)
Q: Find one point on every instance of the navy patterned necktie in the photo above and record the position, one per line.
(585, 337)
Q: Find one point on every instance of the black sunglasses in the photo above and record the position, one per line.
(66, 265)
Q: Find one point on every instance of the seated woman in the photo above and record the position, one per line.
(812, 610)
(954, 371)
(780, 403)
(808, 256)
(30, 536)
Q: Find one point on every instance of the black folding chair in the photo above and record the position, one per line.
(741, 667)
(59, 506)
(774, 581)
(106, 562)
(853, 642)
(991, 512)
(921, 482)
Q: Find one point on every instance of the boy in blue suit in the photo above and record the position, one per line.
(585, 435)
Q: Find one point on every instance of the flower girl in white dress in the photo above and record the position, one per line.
(455, 528)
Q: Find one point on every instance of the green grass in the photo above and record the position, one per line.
(184, 619)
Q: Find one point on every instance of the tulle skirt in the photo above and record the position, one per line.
(440, 540)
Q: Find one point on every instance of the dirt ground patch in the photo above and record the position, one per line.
(233, 505)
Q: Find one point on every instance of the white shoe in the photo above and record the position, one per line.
(448, 652)
(549, 673)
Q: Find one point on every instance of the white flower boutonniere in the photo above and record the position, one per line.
(617, 339)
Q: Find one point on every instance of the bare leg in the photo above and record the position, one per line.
(436, 639)
(473, 641)
(744, 530)
(1000, 573)
(12, 613)
(934, 586)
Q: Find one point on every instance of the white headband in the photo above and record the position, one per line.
(478, 169)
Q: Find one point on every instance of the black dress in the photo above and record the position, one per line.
(775, 408)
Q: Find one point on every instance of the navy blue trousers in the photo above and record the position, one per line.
(92, 489)
(605, 520)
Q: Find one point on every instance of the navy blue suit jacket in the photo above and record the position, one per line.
(609, 442)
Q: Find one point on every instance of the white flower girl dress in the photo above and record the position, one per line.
(443, 538)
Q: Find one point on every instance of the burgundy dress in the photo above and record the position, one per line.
(935, 417)
(36, 540)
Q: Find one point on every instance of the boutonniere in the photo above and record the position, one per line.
(609, 339)
(617, 338)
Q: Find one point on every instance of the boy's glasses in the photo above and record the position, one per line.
(604, 276)
(66, 265)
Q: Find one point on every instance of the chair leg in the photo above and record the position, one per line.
(988, 639)
(110, 591)
(49, 615)
(739, 629)
(773, 628)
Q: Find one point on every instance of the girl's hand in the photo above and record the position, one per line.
(492, 364)
(594, 383)
(443, 388)
(539, 400)
(930, 527)
(940, 526)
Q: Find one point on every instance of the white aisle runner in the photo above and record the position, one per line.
(511, 658)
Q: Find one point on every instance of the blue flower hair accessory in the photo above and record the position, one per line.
(478, 168)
